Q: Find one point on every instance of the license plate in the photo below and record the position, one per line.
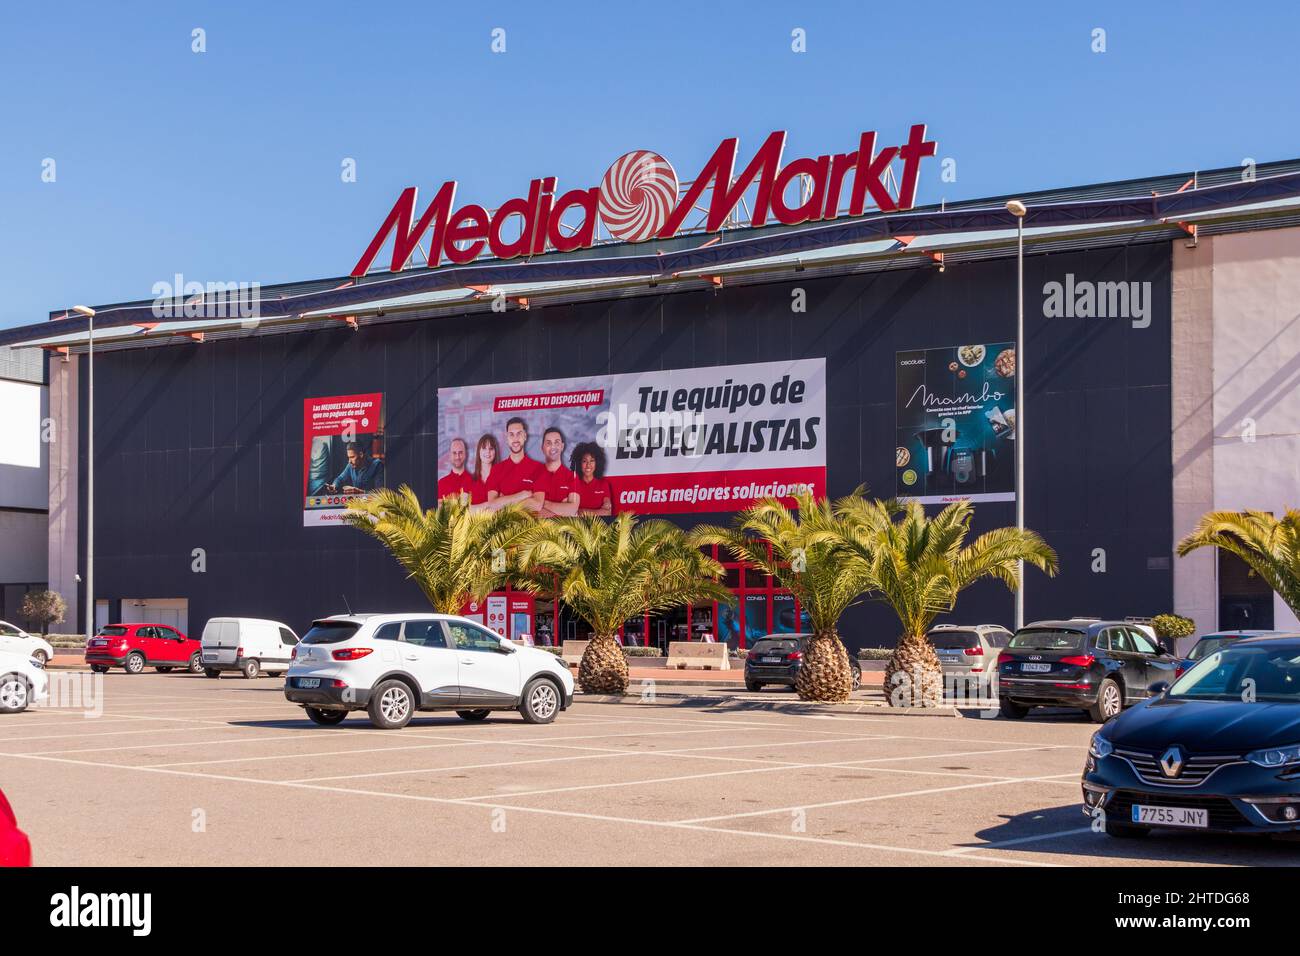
(770, 660)
(1035, 668)
(1171, 816)
(210, 656)
(98, 643)
(308, 683)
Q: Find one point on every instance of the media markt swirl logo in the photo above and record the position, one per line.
(637, 194)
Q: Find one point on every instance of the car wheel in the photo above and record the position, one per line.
(473, 715)
(1110, 701)
(326, 718)
(99, 668)
(163, 670)
(753, 685)
(210, 672)
(196, 665)
(540, 701)
(1011, 710)
(1126, 831)
(391, 705)
(42, 657)
(134, 663)
(14, 693)
(251, 668)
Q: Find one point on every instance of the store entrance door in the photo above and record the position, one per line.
(1245, 600)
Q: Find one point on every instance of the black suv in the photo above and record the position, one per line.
(1098, 666)
(776, 659)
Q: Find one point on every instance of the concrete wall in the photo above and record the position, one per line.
(1236, 350)
(1195, 576)
(63, 485)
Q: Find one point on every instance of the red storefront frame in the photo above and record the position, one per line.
(752, 588)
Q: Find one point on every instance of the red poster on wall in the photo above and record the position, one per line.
(343, 453)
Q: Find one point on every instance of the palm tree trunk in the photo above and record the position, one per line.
(913, 676)
(604, 668)
(824, 674)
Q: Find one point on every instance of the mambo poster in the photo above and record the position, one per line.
(956, 423)
(343, 453)
(656, 442)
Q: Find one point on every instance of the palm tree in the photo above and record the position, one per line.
(455, 554)
(919, 565)
(1269, 545)
(807, 559)
(608, 572)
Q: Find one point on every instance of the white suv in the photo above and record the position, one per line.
(392, 665)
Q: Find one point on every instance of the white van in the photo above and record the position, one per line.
(247, 644)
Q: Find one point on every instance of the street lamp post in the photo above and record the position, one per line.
(1017, 209)
(89, 313)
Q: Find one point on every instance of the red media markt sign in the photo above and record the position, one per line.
(638, 200)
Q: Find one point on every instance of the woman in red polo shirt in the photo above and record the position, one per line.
(486, 453)
(595, 494)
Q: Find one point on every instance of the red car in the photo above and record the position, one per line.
(137, 646)
(15, 850)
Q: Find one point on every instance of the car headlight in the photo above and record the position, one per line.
(1275, 756)
(1099, 746)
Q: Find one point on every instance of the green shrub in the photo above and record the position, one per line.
(638, 651)
(1173, 626)
(66, 640)
(875, 653)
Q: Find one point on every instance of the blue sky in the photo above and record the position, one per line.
(225, 165)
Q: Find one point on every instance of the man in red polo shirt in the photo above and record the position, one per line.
(457, 481)
(512, 479)
(555, 492)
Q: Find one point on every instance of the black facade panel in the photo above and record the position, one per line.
(200, 446)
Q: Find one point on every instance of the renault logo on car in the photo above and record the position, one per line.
(1171, 763)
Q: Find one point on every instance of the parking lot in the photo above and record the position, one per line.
(185, 770)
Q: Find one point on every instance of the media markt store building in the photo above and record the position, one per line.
(681, 347)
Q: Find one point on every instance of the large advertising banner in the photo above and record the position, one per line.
(343, 453)
(660, 442)
(956, 418)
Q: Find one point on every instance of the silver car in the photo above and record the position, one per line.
(969, 653)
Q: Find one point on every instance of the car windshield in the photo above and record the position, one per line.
(330, 632)
(111, 631)
(1208, 645)
(949, 640)
(1246, 673)
(1047, 639)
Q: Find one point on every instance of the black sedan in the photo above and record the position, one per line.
(1217, 751)
(1096, 666)
(776, 659)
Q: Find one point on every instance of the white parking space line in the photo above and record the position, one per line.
(854, 764)
(1035, 838)
(685, 752)
(276, 734)
(547, 811)
(874, 798)
(142, 730)
(855, 733)
(690, 753)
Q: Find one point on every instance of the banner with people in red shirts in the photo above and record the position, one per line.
(675, 441)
